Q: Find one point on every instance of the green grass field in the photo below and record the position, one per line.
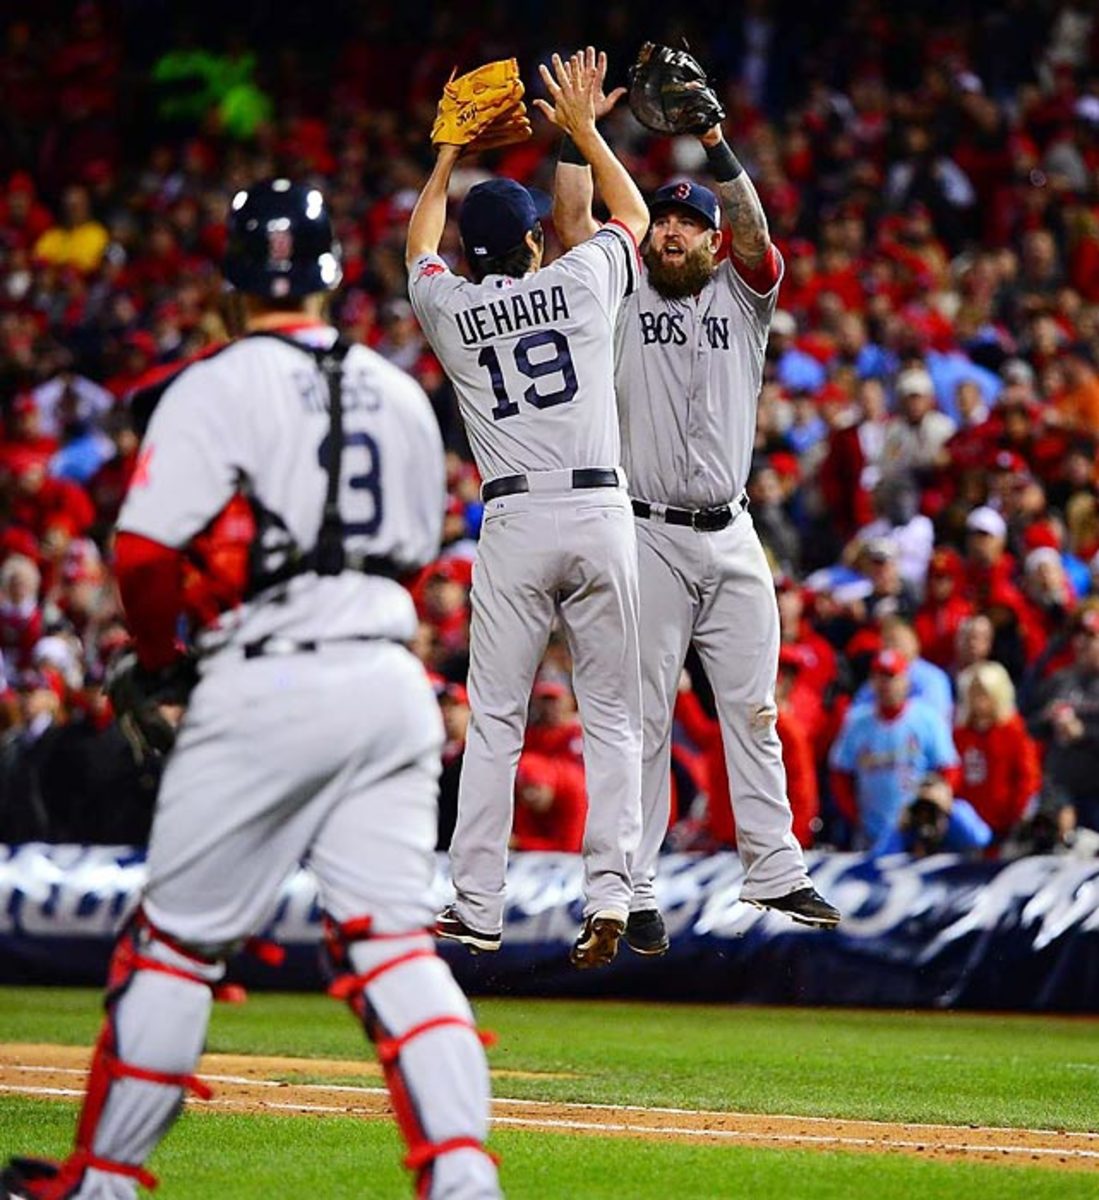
(951, 1068)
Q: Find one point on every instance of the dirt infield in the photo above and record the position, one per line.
(273, 1086)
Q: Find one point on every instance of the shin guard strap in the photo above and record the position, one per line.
(270, 953)
(427, 1152)
(358, 929)
(142, 962)
(117, 1069)
(229, 993)
(84, 1160)
(361, 929)
(347, 986)
(390, 1048)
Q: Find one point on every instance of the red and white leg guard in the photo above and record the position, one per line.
(431, 1054)
(158, 1006)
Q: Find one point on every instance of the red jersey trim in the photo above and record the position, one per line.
(763, 278)
(150, 582)
(633, 263)
(629, 233)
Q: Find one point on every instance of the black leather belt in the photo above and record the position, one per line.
(273, 644)
(705, 520)
(582, 477)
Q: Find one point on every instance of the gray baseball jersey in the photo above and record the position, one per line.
(688, 374)
(531, 359)
(244, 415)
(532, 362)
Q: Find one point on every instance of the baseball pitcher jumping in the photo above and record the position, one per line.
(530, 352)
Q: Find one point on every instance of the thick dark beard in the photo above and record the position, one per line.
(677, 283)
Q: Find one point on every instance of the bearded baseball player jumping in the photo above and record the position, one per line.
(286, 484)
(530, 352)
(689, 356)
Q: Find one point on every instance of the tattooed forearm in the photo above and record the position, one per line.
(746, 218)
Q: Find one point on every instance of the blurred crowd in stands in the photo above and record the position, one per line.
(926, 480)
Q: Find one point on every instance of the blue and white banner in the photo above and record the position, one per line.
(939, 932)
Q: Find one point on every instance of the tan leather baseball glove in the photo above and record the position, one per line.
(483, 109)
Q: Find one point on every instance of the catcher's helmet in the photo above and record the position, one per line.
(281, 242)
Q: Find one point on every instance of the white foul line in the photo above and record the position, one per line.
(501, 1101)
(649, 1130)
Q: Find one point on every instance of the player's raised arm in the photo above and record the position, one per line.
(572, 87)
(480, 110)
(573, 188)
(428, 220)
(751, 239)
(670, 95)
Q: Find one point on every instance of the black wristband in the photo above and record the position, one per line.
(570, 153)
(724, 164)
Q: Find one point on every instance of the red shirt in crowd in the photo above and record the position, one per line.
(1000, 771)
(797, 753)
(563, 739)
(56, 503)
(550, 805)
(841, 481)
(20, 629)
(936, 625)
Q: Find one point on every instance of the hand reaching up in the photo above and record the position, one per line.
(572, 87)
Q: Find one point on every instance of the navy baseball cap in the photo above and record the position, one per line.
(686, 194)
(494, 217)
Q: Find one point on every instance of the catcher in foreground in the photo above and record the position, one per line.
(312, 733)
(694, 333)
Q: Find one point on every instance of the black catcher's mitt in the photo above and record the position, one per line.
(669, 93)
(137, 695)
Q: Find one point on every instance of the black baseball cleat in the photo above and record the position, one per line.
(645, 933)
(26, 1178)
(451, 926)
(597, 942)
(806, 906)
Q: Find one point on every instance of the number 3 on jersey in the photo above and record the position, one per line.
(540, 368)
(360, 482)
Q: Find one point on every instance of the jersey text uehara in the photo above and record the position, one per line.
(512, 312)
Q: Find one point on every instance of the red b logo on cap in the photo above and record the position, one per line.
(682, 191)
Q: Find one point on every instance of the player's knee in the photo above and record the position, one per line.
(141, 946)
(757, 717)
(762, 719)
